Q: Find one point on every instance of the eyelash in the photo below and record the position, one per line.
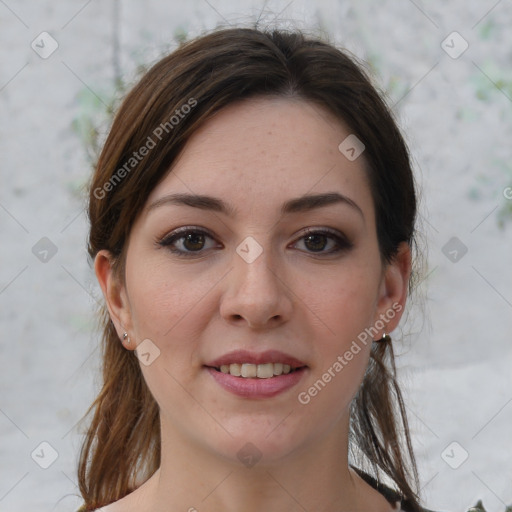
(342, 243)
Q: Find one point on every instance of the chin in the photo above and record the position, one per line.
(263, 440)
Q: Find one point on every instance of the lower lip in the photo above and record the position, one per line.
(257, 388)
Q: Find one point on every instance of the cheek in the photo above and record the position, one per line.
(163, 302)
(343, 307)
(345, 302)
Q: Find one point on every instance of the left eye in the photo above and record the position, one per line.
(319, 241)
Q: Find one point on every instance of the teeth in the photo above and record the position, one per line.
(235, 369)
(265, 371)
(249, 370)
(261, 371)
(278, 368)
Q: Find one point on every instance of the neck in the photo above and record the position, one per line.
(193, 478)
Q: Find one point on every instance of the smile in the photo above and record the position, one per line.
(255, 375)
(258, 371)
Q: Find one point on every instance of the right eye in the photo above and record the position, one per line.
(187, 242)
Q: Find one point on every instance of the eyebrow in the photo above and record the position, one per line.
(298, 205)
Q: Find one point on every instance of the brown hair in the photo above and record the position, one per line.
(122, 446)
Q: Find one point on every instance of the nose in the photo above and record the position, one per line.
(257, 293)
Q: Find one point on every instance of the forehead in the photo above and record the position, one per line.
(267, 149)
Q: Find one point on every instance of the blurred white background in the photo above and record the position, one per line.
(453, 100)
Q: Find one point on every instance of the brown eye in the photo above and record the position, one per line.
(193, 241)
(324, 242)
(188, 241)
(315, 242)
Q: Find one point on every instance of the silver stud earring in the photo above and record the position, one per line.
(126, 338)
(386, 338)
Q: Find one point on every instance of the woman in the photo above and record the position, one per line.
(252, 222)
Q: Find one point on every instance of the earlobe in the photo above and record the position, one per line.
(114, 292)
(394, 287)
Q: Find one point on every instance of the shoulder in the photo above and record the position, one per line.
(122, 505)
(403, 505)
(478, 507)
(390, 494)
(403, 508)
(83, 508)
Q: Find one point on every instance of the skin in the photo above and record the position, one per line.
(256, 155)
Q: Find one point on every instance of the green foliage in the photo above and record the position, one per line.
(94, 112)
(492, 80)
(97, 104)
(487, 28)
(494, 83)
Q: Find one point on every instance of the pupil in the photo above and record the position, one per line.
(318, 242)
(194, 241)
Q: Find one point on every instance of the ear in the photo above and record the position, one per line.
(114, 292)
(393, 290)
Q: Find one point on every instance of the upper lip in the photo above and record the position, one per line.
(244, 356)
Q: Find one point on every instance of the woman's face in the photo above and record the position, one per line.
(259, 247)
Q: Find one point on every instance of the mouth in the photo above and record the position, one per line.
(256, 365)
(257, 375)
(256, 371)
